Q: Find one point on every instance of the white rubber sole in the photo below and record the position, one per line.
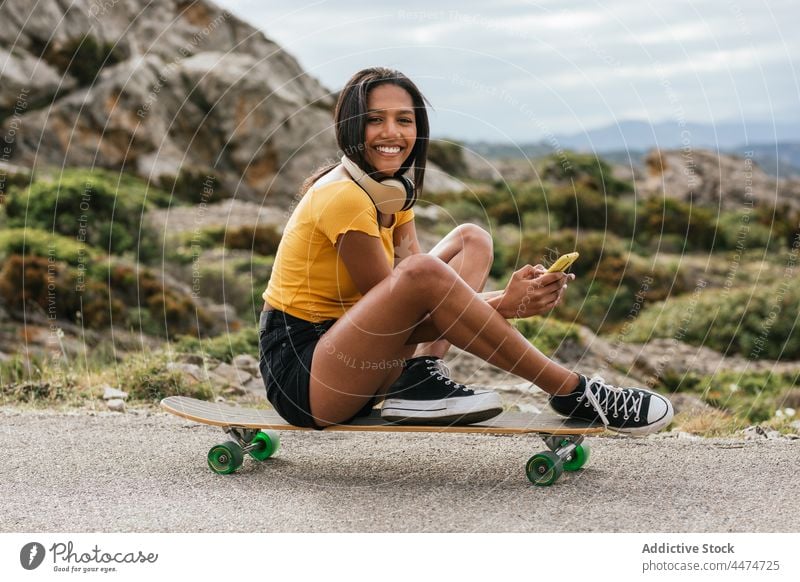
(650, 428)
(460, 410)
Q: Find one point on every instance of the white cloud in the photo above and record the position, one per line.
(562, 55)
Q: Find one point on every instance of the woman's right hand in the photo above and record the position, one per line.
(532, 291)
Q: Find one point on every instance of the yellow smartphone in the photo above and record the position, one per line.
(563, 262)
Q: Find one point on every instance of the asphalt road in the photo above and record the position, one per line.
(146, 471)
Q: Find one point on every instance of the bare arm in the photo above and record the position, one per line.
(405, 242)
(365, 259)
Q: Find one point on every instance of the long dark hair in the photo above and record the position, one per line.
(350, 119)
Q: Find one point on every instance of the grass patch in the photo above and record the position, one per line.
(146, 377)
(757, 323)
(222, 347)
(548, 334)
(713, 423)
(748, 398)
(96, 207)
(42, 243)
(42, 381)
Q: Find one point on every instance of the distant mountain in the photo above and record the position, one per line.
(776, 148)
(777, 159)
(496, 150)
(643, 135)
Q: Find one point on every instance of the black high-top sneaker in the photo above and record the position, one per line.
(633, 411)
(424, 394)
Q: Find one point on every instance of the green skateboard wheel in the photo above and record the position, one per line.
(269, 442)
(544, 468)
(225, 458)
(578, 458)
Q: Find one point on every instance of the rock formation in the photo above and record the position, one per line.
(169, 89)
(712, 179)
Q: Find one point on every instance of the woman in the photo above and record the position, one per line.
(343, 316)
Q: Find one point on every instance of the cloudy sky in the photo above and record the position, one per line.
(520, 70)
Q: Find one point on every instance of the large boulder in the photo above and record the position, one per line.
(168, 89)
(712, 179)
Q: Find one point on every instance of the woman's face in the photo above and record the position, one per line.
(391, 128)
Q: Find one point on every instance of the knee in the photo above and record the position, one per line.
(477, 239)
(424, 270)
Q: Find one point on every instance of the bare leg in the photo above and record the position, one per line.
(363, 350)
(468, 250)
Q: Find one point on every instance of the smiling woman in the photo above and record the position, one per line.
(391, 130)
(343, 315)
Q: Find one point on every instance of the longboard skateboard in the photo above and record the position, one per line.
(253, 431)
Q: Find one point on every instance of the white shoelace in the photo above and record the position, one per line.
(439, 368)
(604, 397)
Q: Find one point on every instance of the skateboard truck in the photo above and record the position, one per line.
(567, 453)
(229, 456)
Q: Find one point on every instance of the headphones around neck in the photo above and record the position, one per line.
(390, 195)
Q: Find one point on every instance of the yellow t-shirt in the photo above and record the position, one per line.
(308, 279)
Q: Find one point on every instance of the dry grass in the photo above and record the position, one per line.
(713, 423)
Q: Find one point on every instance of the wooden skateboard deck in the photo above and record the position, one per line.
(219, 414)
(247, 426)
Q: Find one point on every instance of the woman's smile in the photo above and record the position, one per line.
(391, 128)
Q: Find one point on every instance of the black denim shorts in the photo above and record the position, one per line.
(287, 346)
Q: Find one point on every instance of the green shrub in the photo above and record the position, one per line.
(193, 186)
(146, 377)
(544, 247)
(667, 216)
(622, 216)
(87, 206)
(762, 228)
(589, 209)
(737, 231)
(263, 239)
(83, 57)
(507, 204)
(235, 280)
(537, 220)
(449, 156)
(502, 208)
(33, 280)
(610, 280)
(103, 292)
(10, 182)
(462, 210)
(757, 323)
(171, 311)
(584, 171)
(504, 256)
(34, 241)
